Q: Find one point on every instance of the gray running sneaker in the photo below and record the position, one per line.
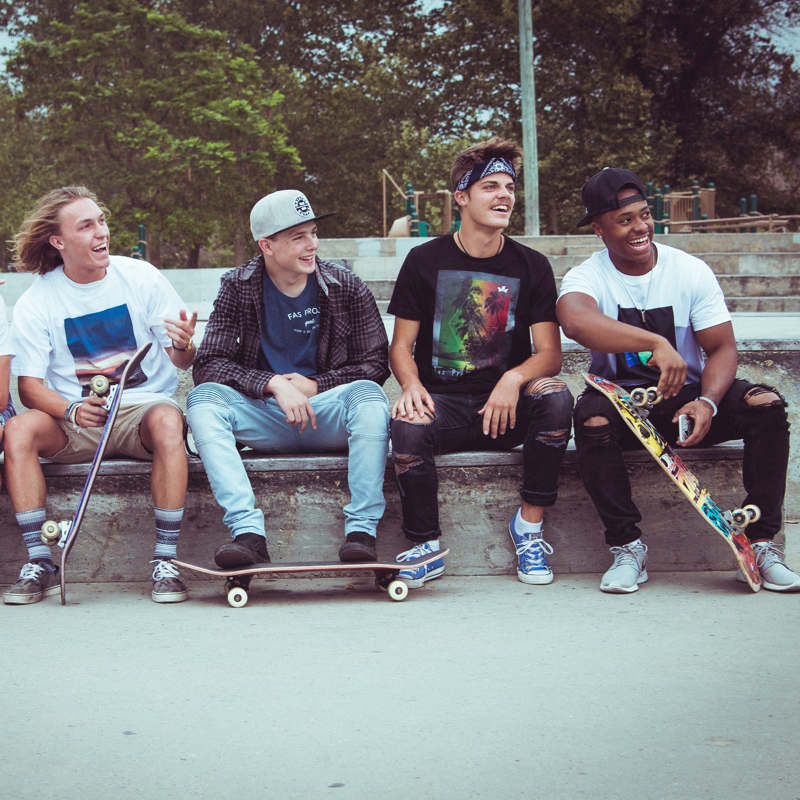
(775, 575)
(167, 584)
(628, 570)
(35, 583)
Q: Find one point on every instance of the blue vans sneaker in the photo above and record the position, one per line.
(532, 551)
(427, 572)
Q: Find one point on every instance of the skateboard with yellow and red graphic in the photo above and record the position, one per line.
(730, 525)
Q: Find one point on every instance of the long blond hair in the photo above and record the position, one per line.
(32, 249)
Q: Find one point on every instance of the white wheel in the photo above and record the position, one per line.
(99, 385)
(398, 590)
(753, 512)
(653, 396)
(379, 586)
(237, 597)
(740, 517)
(639, 397)
(51, 532)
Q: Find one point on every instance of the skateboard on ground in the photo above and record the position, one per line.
(634, 409)
(238, 578)
(63, 533)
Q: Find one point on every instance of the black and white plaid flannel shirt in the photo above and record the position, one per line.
(352, 342)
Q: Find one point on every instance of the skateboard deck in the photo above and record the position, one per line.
(69, 530)
(386, 572)
(729, 525)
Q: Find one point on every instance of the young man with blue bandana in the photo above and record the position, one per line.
(467, 306)
(292, 361)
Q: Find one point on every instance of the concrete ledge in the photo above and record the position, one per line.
(302, 498)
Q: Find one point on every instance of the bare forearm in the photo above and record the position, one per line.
(719, 373)
(403, 366)
(606, 335)
(544, 364)
(34, 394)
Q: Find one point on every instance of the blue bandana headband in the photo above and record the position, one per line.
(480, 171)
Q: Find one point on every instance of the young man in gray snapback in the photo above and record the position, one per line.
(292, 361)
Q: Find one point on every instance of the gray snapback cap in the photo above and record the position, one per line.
(280, 211)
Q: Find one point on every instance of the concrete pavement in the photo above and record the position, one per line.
(471, 688)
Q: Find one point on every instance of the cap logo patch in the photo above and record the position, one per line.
(302, 207)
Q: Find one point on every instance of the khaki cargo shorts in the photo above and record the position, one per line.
(124, 441)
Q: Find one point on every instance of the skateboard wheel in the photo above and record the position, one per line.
(740, 517)
(51, 532)
(639, 397)
(398, 590)
(753, 512)
(652, 395)
(237, 597)
(99, 385)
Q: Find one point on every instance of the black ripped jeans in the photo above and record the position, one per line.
(543, 426)
(764, 429)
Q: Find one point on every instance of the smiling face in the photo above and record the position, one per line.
(627, 232)
(289, 256)
(83, 240)
(488, 203)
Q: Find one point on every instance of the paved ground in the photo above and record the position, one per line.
(471, 688)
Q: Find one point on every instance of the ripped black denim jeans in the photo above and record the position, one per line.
(764, 429)
(543, 426)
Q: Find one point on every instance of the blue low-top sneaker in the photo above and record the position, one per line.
(532, 551)
(416, 576)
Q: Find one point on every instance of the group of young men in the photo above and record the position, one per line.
(295, 353)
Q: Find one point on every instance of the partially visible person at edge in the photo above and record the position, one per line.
(292, 361)
(467, 306)
(86, 314)
(647, 311)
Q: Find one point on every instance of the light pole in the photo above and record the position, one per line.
(531, 159)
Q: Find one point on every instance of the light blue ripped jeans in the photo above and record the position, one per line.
(352, 418)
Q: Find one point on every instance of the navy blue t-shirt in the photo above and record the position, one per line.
(290, 334)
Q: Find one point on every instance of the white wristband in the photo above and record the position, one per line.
(711, 403)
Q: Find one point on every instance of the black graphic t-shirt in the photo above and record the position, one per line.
(474, 313)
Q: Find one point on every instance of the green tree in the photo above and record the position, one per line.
(161, 118)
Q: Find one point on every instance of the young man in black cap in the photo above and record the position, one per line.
(466, 307)
(292, 361)
(647, 311)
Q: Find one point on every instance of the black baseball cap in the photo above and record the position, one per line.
(600, 192)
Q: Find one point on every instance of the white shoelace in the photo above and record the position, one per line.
(533, 550)
(418, 551)
(626, 555)
(31, 572)
(164, 569)
(768, 554)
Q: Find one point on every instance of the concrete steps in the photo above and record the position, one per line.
(757, 272)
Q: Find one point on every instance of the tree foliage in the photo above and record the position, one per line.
(170, 127)
(183, 112)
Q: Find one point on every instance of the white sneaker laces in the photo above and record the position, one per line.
(533, 550)
(418, 551)
(164, 569)
(627, 555)
(768, 554)
(31, 572)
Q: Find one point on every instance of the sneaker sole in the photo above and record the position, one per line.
(26, 599)
(169, 597)
(535, 580)
(774, 587)
(615, 588)
(416, 583)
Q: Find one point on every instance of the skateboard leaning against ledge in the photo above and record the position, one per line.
(64, 533)
(386, 573)
(634, 409)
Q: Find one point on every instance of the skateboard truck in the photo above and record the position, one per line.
(55, 533)
(645, 399)
(742, 517)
